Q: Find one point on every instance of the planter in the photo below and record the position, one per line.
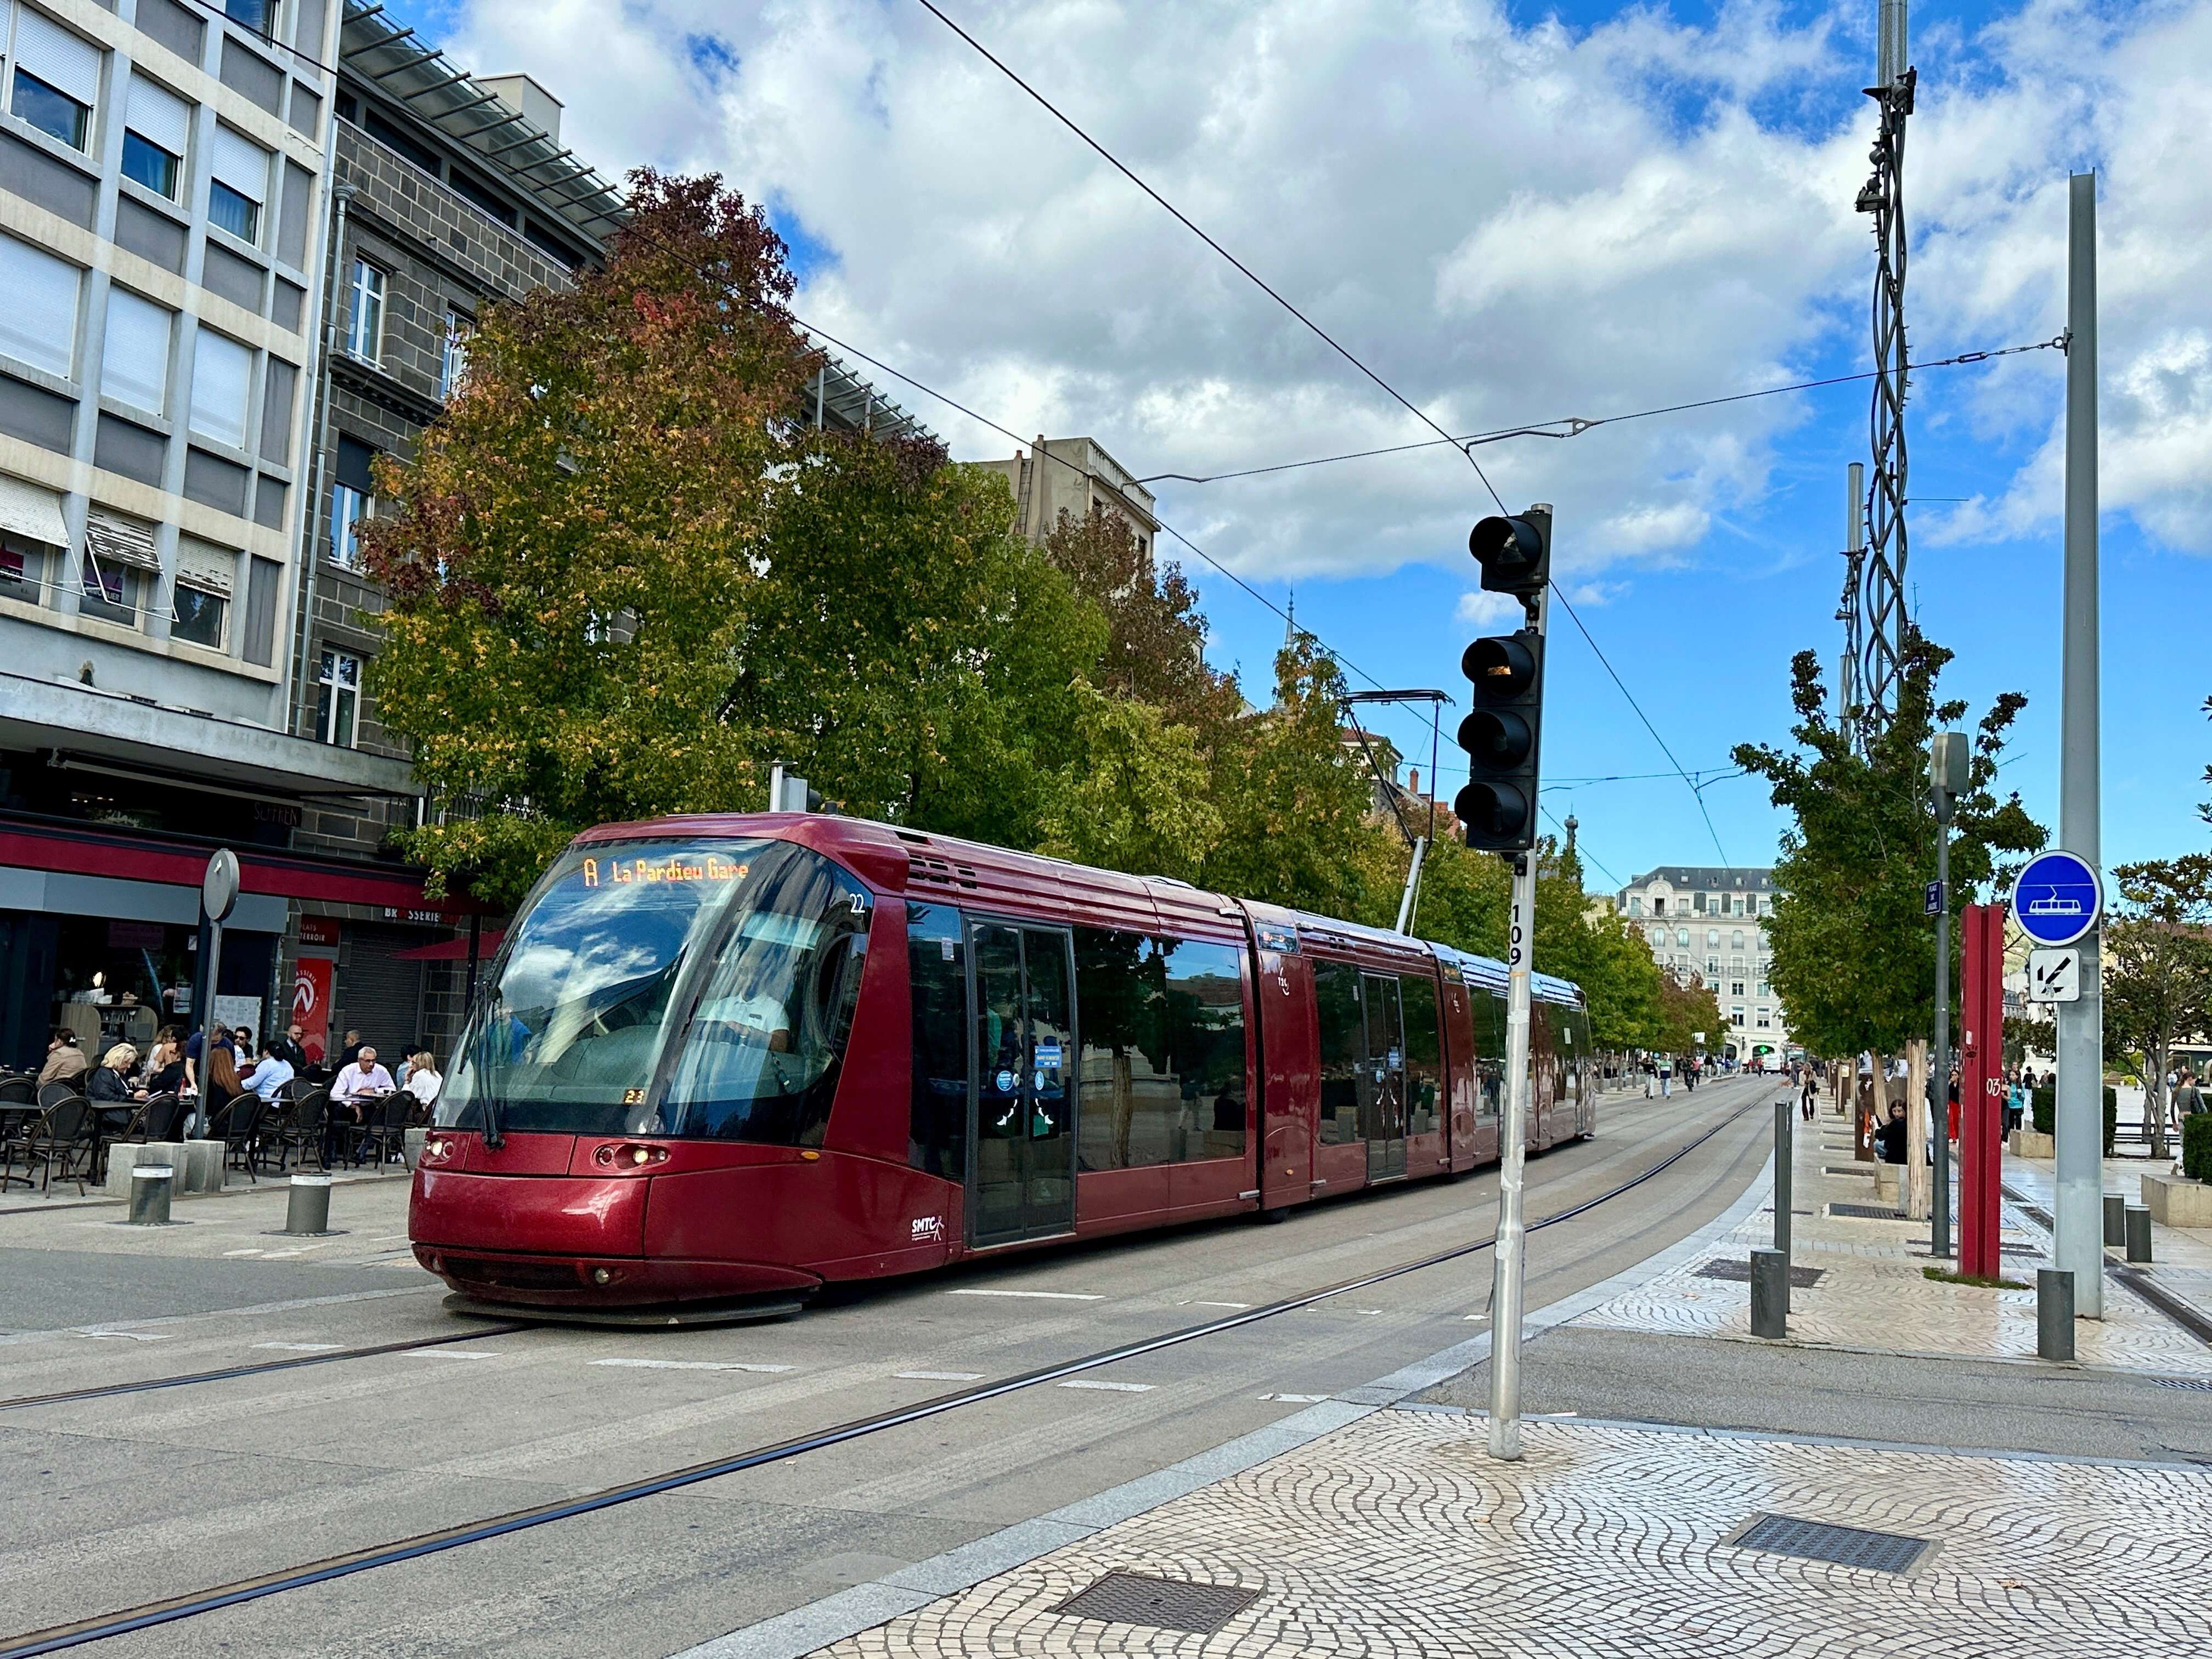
(2178, 1201)
(2026, 1143)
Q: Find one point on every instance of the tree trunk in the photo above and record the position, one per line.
(1920, 1184)
(1876, 1112)
(2155, 1097)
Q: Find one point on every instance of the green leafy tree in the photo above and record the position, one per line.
(1134, 795)
(2157, 970)
(1293, 804)
(1854, 953)
(569, 553)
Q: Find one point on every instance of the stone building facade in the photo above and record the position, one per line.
(1709, 922)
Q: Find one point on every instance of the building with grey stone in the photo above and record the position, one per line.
(1709, 922)
(1074, 477)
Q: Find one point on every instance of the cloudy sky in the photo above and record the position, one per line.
(1512, 214)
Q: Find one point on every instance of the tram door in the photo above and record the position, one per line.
(1382, 1079)
(1022, 1181)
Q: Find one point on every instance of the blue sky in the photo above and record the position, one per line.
(1515, 214)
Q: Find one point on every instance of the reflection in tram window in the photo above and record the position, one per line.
(1488, 1015)
(1343, 1048)
(937, 971)
(574, 1026)
(1424, 1058)
(1163, 1060)
(1543, 1057)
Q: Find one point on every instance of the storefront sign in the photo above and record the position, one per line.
(318, 930)
(136, 935)
(392, 913)
(310, 1005)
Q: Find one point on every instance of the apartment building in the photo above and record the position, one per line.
(1709, 921)
(1074, 477)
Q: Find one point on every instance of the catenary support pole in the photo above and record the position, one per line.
(1513, 1134)
(2078, 1210)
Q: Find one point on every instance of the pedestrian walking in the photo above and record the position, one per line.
(1807, 1095)
(1665, 1078)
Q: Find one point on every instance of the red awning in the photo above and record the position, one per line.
(453, 949)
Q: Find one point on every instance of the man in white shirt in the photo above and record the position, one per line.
(360, 1082)
(269, 1074)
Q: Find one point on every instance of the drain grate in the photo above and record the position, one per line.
(1847, 1169)
(1134, 1598)
(1820, 1540)
(1869, 1212)
(1739, 1273)
(2195, 1384)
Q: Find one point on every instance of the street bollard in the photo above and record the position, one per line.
(2115, 1218)
(149, 1194)
(2138, 1224)
(2054, 1313)
(1770, 1294)
(1785, 1144)
(308, 1211)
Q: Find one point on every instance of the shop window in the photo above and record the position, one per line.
(338, 698)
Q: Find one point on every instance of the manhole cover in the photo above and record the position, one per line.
(1869, 1212)
(1133, 1598)
(1819, 1541)
(1802, 1278)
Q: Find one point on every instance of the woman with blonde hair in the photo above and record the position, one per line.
(108, 1087)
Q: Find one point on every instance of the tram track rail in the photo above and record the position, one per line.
(196, 1603)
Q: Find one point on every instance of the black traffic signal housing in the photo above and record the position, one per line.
(1503, 730)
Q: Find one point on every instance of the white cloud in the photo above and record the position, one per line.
(1483, 609)
(1511, 222)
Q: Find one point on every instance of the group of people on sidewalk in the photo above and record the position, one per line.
(1660, 1070)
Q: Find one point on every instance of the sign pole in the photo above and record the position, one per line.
(218, 898)
(2078, 1213)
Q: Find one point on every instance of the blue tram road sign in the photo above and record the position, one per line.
(2058, 898)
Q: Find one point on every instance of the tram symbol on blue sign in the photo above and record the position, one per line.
(2058, 898)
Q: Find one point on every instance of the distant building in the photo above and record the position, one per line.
(1709, 922)
(1074, 477)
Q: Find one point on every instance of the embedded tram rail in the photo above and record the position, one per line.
(148, 1615)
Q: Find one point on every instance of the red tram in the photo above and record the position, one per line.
(721, 1060)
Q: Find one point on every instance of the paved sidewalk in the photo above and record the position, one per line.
(1871, 1288)
(2181, 1257)
(1399, 1535)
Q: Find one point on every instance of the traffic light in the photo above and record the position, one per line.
(1498, 809)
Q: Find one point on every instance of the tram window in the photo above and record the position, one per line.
(1163, 1028)
(1488, 1015)
(1424, 1058)
(1203, 1028)
(937, 974)
(1343, 1048)
(1543, 1055)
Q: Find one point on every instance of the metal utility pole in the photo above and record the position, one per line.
(1883, 195)
(1947, 760)
(2079, 1212)
(1848, 613)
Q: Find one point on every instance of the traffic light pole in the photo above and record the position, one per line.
(1510, 1269)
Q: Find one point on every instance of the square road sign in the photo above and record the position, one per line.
(2054, 975)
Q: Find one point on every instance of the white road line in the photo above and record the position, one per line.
(1117, 1387)
(1221, 1304)
(445, 1353)
(688, 1366)
(1297, 1399)
(940, 1377)
(129, 1336)
(301, 1347)
(255, 1251)
(1041, 1296)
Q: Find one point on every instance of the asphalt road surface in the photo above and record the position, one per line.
(116, 1502)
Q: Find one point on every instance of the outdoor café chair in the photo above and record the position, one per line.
(302, 1127)
(241, 1133)
(387, 1131)
(57, 1138)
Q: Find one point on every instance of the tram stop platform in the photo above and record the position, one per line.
(1901, 1476)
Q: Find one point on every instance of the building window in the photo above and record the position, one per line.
(1763, 1020)
(1736, 1016)
(1762, 988)
(22, 569)
(259, 16)
(1682, 936)
(1735, 988)
(338, 698)
(153, 126)
(222, 378)
(199, 615)
(364, 336)
(349, 508)
(134, 353)
(1713, 937)
(56, 77)
(454, 362)
(110, 590)
(237, 186)
(1735, 940)
(1712, 970)
(1658, 904)
(38, 321)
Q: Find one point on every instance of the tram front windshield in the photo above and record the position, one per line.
(737, 960)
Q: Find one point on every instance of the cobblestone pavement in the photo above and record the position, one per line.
(1874, 1293)
(1399, 1535)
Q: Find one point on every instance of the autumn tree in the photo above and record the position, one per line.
(2157, 970)
(569, 555)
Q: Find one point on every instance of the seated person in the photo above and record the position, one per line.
(1889, 1139)
(359, 1082)
(270, 1073)
(754, 1014)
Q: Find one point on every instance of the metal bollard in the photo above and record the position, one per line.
(1785, 1143)
(1770, 1294)
(309, 1210)
(2138, 1225)
(2115, 1218)
(149, 1194)
(2054, 1313)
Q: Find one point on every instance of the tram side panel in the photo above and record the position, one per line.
(1289, 1066)
(1470, 1129)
